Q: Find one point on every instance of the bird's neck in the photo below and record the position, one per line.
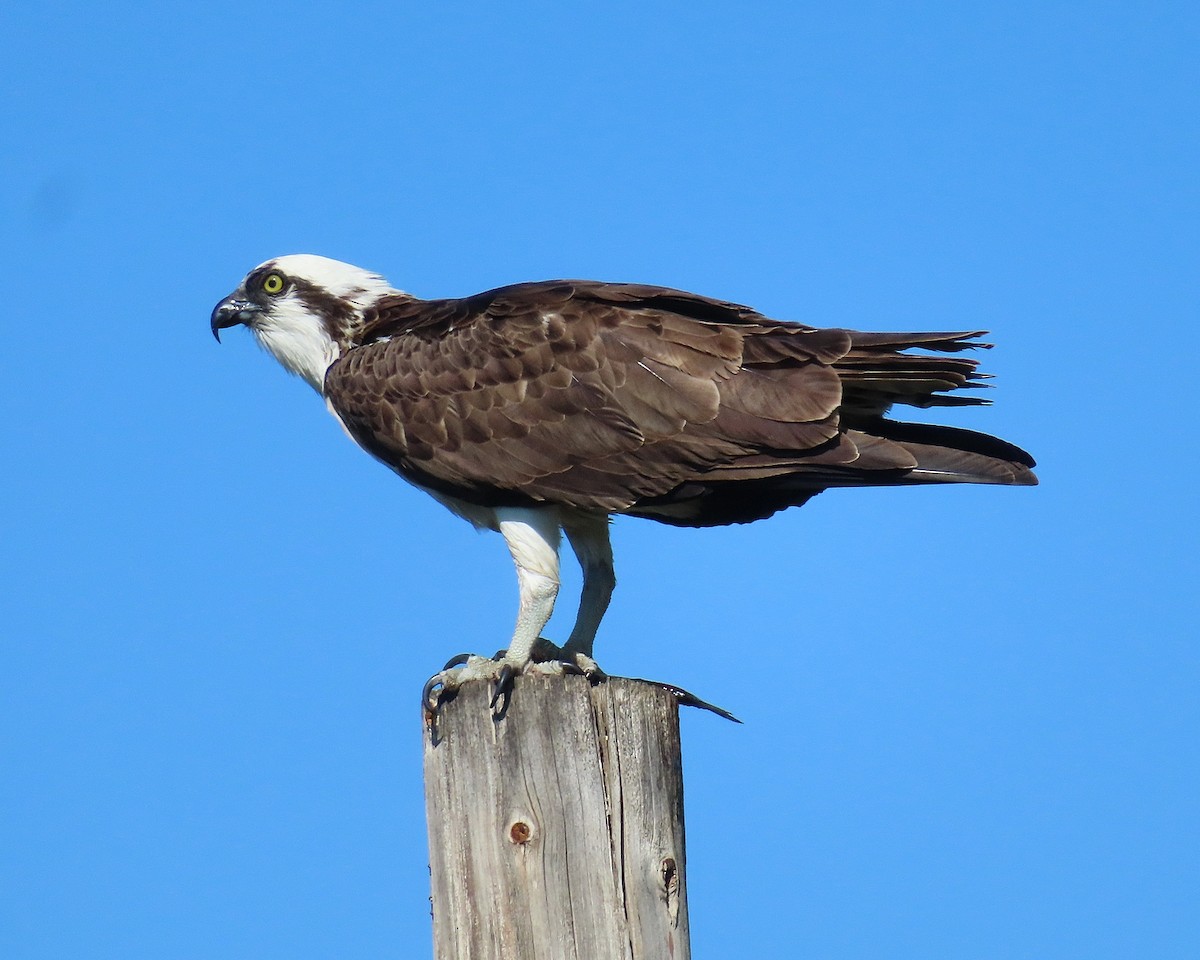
(303, 348)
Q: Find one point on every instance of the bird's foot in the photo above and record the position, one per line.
(565, 660)
(502, 670)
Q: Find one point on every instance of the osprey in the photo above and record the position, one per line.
(540, 409)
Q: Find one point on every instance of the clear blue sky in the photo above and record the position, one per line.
(971, 713)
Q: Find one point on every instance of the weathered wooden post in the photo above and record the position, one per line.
(556, 830)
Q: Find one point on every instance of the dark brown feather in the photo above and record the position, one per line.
(655, 402)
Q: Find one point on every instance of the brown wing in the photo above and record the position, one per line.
(615, 397)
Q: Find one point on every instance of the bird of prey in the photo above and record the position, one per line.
(544, 408)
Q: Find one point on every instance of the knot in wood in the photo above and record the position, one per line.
(520, 832)
(670, 887)
(670, 879)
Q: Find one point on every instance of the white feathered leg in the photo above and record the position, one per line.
(533, 536)
(589, 538)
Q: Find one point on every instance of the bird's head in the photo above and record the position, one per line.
(303, 309)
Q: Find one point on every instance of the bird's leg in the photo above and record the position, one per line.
(589, 538)
(533, 536)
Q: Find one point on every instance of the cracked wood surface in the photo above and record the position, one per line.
(556, 831)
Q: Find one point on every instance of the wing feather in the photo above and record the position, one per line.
(617, 397)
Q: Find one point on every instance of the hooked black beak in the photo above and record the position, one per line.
(230, 312)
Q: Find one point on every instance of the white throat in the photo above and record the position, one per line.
(299, 343)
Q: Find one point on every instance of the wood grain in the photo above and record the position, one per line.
(556, 830)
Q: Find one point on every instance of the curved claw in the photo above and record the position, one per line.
(457, 661)
(504, 685)
(588, 667)
(431, 693)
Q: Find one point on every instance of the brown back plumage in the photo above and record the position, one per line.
(623, 398)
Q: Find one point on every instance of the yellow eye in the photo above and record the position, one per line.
(272, 283)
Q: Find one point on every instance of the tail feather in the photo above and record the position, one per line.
(800, 440)
(929, 437)
(878, 372)
(942, 341)
(948, 465)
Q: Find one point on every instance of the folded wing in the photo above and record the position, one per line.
(654, 402)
